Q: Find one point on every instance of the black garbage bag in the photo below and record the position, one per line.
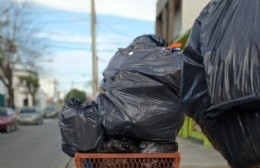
(122, 145)
(221, 78)
(141, 97)
(155, 147)
(236, 136)
(222, 59)
(194, 89)
(80, 128)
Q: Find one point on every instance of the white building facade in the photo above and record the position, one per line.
(48, 85)
(46, 94)
(22, 98)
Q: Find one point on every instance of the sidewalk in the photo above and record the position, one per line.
(71, 164)
(193, 155)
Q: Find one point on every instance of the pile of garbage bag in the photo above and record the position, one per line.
(146, 89)
(139, 108)
(221, 78)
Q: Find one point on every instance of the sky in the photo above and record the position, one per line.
(66, 28)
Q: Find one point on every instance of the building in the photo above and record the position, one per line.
(175, 17)
(22, 97)
(46, 93)
(48, 85)
(42, 98)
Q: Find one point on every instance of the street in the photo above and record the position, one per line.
(33, 147)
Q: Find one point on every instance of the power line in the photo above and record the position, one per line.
(103, 60)
(69, 48)
(50, 33)
(114, 30)
(66, 21)
(57, 12)
(79, 48)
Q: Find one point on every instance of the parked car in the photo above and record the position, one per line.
(51, 112)
(8, 119)
(30, 115)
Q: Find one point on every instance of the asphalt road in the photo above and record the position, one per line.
(33, 147)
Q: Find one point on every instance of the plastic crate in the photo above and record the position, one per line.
(129, 160)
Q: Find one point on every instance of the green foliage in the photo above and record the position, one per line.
(78, 94)
(31, 83)
(184, 38)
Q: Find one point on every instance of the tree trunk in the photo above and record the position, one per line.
(9, 86)
(10, 101)
(34, 101)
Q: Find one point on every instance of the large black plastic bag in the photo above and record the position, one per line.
(221, 78)
(194, 89)
(80, 128)
(236, 136)
(231, 50)
(142, 92)
(223, 54)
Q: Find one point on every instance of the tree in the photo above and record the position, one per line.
(32, 85)
(19, 44)
(78, 94)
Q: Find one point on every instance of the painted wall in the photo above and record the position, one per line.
(190, 11)
(175, 17)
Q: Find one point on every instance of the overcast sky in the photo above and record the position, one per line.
(67, 29)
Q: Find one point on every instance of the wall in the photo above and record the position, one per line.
(174, 17)
(48, 85)
(19, 89)
(191, 10)
(178, 14)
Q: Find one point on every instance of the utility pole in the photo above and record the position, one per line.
(93, 46)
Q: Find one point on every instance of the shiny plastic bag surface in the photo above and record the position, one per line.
(236, 136)
(222, 59)
(80, 128)
(221, 78)
(141, 97)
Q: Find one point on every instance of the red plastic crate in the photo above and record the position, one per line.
(129, 160)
